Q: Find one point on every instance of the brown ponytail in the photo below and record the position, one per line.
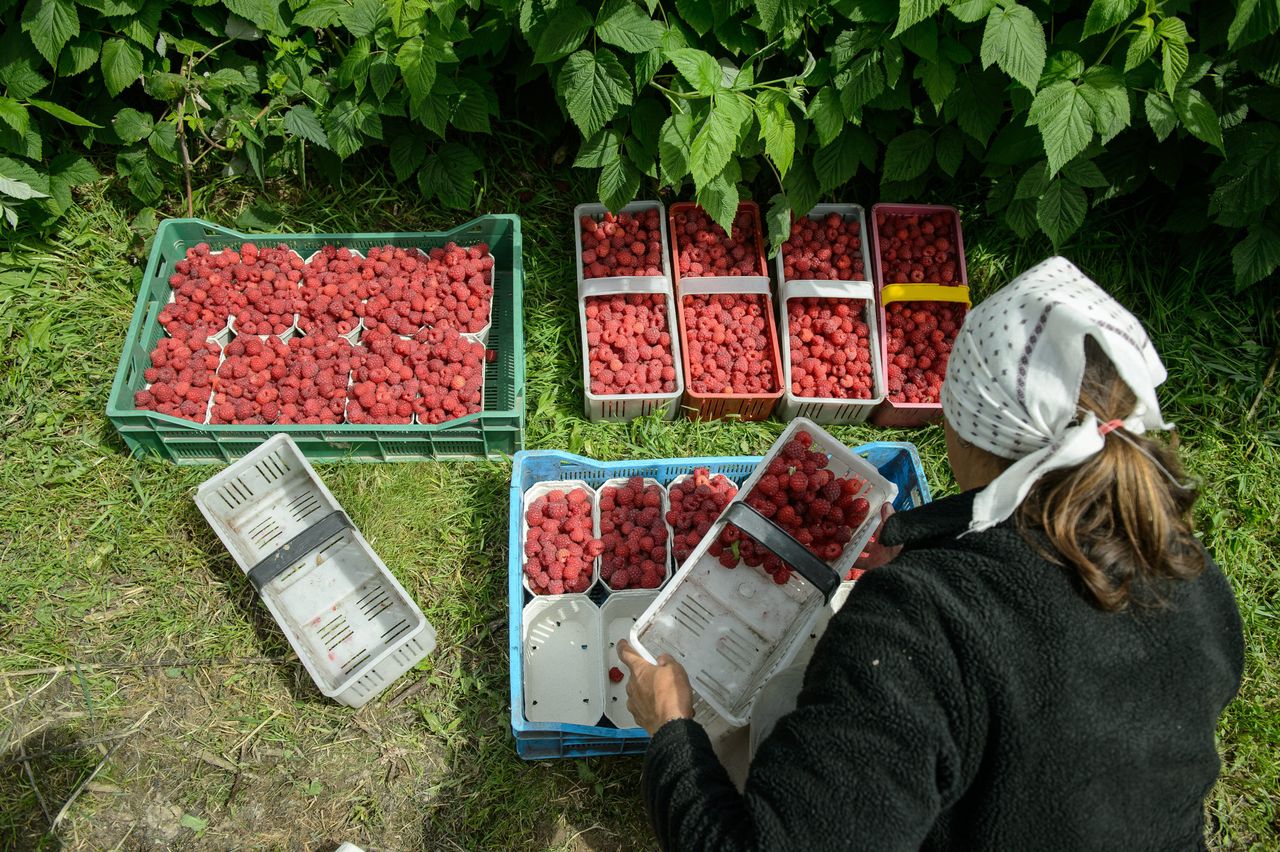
(1117, 518)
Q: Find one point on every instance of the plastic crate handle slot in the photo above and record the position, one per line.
(767, 533)
(299, 546)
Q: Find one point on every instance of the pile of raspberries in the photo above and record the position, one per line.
(918, 248)
(705, 249)
(634, 535)
(729, 349)
(696, 502)
(829, 249)
(629, 344)
(627, 244)
(814, 506)
(918, 341)
(559, 549)
(830, 348)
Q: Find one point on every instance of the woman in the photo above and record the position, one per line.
(1042, 664)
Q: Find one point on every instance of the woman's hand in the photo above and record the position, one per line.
(655, 694)
(875, 554)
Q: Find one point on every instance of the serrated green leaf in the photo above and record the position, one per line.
(836, 163)
(1249, 179)
(1020, 216)
(354, 70)
(1062, 65)
(449, 174)
(241, 29)
(121, 65)
(1034, 181)
(824, 111)
(19, 189)
(922, 39)
(193, 822)
(29, 144)
(131, 125)
(801, 186)
(1198, 117)
(431, 112)
(142, 26)
(647, 65)
(1142, 46)
(1254, 20)
(623, 24)
(912, 12)
(893, 60)
(564, 32)
(1085, 173)
(418, 67)
(719, 197)
(143, 181)
(593, 87)
(859, 85)
(907, 156)
(263, 13)
(939, 79)
(342, 126)
(163, 141)
(321, 14)
(949, 150)
(698, 68)
(1161, 115)
(1105, 14)
(971, 11)
(777, 129)
(1173, 29)
(1014, 40)
(1105, 92)
(73, 169)
(618, 184)
(302, 121)
(471, 112)
(777, 219)
(1257, 255)
(714, 145)
(977, 106)
(15, 115)
(1065, 120)
(1173, 64)
(407, 153)
(674, 144)
(50, 24)
(383, 73)
(1060, 211)
(697, 14)
(361, 18)
(164, 86)
(599, 149)
(79, 55)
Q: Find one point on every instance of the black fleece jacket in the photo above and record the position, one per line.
(969, 696)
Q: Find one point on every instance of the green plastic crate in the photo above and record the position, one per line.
(496, 431)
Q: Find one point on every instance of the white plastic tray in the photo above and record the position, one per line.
(563, 672)
(352, 624)
(732, 629)
(823, 409)
(566, 485)
(617, 616)
(846, 211)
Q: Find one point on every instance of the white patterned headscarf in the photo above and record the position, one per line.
(1013, 379)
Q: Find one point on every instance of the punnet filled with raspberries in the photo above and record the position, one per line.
(729, 344)
(629, 347)
(560, 547)
(818, 508)
(918, 340)
(825, 248)
(696, 501)
(180, 379)
(922, 246)
(626, 244)
(829, 347)
(704, 249)
(634, 534)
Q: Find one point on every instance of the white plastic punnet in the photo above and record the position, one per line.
(618, 615)
(563, 664)
(537, 490)
(847, 212)
(352, 624)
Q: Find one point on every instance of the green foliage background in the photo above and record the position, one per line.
(1053, 108)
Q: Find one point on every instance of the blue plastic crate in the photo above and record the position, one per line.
(897, 461)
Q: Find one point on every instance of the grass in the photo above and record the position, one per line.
(168, 673)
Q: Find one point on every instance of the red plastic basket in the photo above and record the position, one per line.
(908, 209)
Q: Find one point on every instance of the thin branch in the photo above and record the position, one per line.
(1262, 391)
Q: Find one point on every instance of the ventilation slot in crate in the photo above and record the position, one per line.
(235, 493)
(336, 632)
(264, 532)
(272, 467)
(374, 602)
(356, 662)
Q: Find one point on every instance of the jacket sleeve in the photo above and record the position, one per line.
(872, 753)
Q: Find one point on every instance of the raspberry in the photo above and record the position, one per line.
(615, 674)
(829, 249)
(622, 360)
(918, 247)
(830, 348)
(551, 542)
(918, 341)
(727, 349)
(633, 535)
(703, 248)
(637, 236)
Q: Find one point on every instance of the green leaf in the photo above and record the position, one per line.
(1014, 40)
(1257, 255)
(1061, 210)
(801, 186)
(18, 189)
(1198, 117)
(432, 113)
(164, 86)
(407, 153)
(907, 156)
(121, 65)
(471, 113)
(939, 79)
(768, 11)
(193, 822)
(922, 39)
(912, 12)
(593, 86)
(1105, 14)
(1085, 173)
(1161, 115)
(1065, 120)
(777, 220)
(342, 126)
(1254, 20)
(699, 69)
(301, 121)
(320, 14)
(29, 144)
(418, 67)
(619, 182)
(73, 169)
(1034, 181)
(50, 24)
(836, 163)
(977, 106)
(241, 29)
(79, 55)
(566, 30)
(383, 73)
(143, 26)
(971, 11)
(449, 175)
(1142, 46)
(720, 196)
(1105, 92)
(949, 150)
(1020, 216)
(893, 60)
(354, 70)
(1174, 63)
(164, 142)
(824, 112)
(674, 144)
(1173, 29)
(697, 14)
(859, 85)
(143, 181)
(599, 149)
(1249, 180)
(1062, 65)
(131, 125)
(360, 18)
(777, 129)
(714, 145)
(15, 115)
(623, 24)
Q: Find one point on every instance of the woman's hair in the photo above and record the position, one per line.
(1118, 519)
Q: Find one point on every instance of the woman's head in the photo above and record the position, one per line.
(1048, 393)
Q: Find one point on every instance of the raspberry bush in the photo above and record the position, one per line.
(918, 342)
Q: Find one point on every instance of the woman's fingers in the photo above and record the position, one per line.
(630, 657)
